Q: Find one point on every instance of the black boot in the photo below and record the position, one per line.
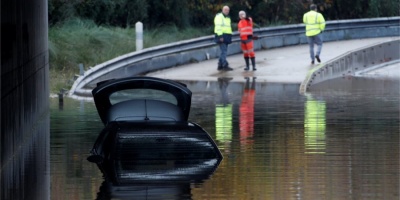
(219, 66)
(226, 67)
(247, 63)
(253, 63)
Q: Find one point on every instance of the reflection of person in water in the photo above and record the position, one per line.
(314, 125)
(223, 115)
(247, 113)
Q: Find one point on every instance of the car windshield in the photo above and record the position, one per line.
(129, 94)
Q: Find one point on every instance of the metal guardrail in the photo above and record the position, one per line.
(353, 62)
(203, 48)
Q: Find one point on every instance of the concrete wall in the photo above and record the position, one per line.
(352, 62)
(25, 124)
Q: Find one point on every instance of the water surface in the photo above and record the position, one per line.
(341, 143)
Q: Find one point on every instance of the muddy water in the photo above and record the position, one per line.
(341, 143)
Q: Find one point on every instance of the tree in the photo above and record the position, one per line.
(200, 13)
(128, 12)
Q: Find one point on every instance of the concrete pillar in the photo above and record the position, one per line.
(139, 35)
(25, 119)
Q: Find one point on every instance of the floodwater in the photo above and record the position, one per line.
(341, 143)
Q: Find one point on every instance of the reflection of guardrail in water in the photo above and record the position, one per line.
(352, 62)
(203, 48)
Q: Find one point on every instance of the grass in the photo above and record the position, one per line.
(80, 41)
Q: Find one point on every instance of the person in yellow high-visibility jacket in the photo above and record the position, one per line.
(315, 24)
(223, 36)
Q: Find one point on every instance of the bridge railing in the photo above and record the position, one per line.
(203, 48)
(352, 63)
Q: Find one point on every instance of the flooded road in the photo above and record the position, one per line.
(341, 143)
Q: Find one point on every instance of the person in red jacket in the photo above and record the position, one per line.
(245, 27)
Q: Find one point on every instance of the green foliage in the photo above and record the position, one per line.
(383, 8)
(137, 11)
(60, 10)
(373, 10)
(82, 41)
(158, 35)
(200, 13)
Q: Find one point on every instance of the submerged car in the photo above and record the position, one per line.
(147, 137)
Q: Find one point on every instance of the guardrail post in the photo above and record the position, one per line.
(81, 69)
(61, 99)
(139, 35)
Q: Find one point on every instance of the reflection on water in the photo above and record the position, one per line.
(314, 125)
(246, 113)
(223, 116)
(333, 144)
(153, 179)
